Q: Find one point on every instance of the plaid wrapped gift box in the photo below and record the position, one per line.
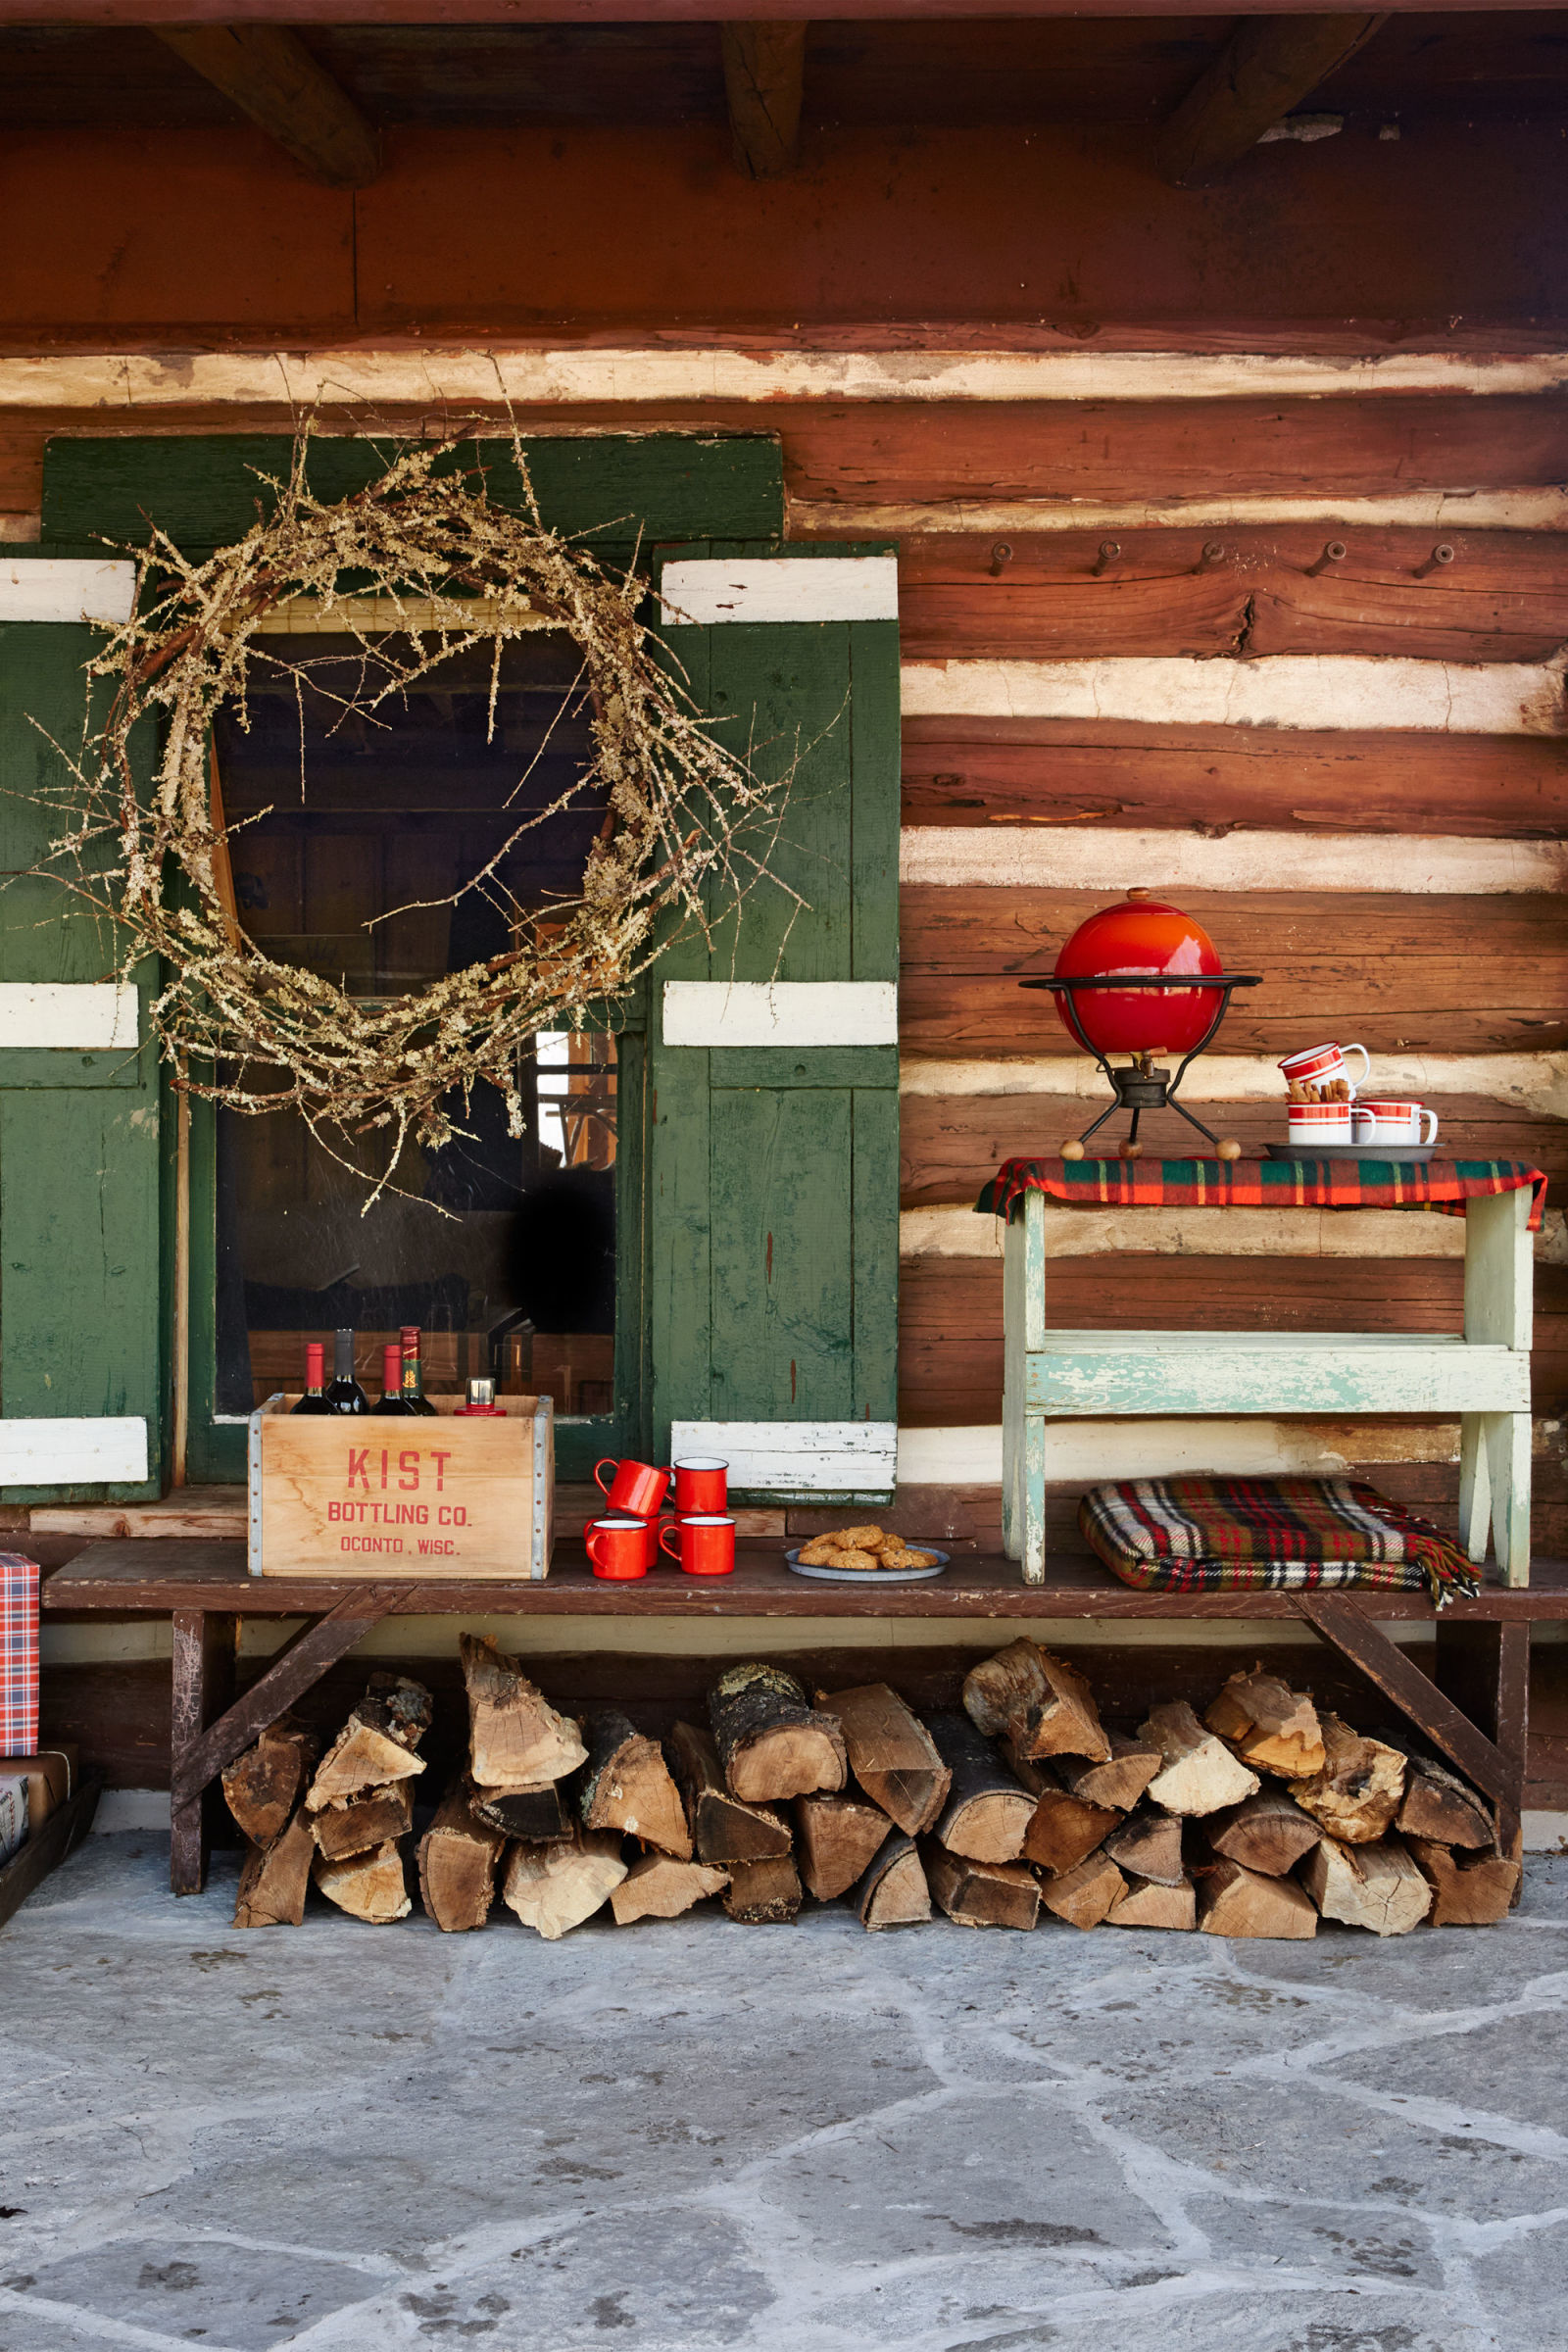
(18, 1654)
(1234, 1534)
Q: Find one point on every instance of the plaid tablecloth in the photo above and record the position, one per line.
(18, 1654)
(1442, 1185)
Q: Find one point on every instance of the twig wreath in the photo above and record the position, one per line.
(685, 836)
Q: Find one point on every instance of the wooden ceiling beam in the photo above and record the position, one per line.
(765, 73)
(1267, 67)
(271, 76)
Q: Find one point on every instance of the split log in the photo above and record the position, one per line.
(765, 1893)
(264, 1784)
(987, 1815)
(377, 1744)
(1063, 1830)
(515, 1737)
(1148, 1845)
(1233, 1900)
(1376, 1887)
(458, 1857)
(360, 1822)
(890, 1753)
(1040, 1704)
(276, 1878)
(369, 1887)
(978, 1893)
(1122, 1780)
(660, 1886)
(1271, 1727)
(1150, 1903)
(625, 1785)
(1360, 1790)
(556, 1887)
(892, 1891)
(1200, 1774)
(770, 1744)
(838, 1835)
(533, 1816)
(1268, 1832)
(723, 1829)
(1469, 1891)
(1084, 1896)
(1440, 1808)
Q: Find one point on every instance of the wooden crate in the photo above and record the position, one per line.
(364, 1497)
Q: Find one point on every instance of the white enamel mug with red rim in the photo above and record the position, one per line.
(1382, 1121)
(1321, 1065)
(1310, 1123)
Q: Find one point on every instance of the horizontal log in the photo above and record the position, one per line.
(1524, 508)
(1313, 692)
(942, 1457)
(974, 771)
(1533, 1085)
(1092, 857)
(1393, 1233)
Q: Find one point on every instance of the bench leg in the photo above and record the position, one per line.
(1475, 1485)
(1508, 1437)
(1485, 1669)
(1034, 1499)
(203, 1686)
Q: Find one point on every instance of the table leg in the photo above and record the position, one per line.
(1475, 1485)
(203, 1686)
(1484, 1668)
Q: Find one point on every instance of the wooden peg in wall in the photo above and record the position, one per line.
(1440, 556)
(1333, 553)
(1001, 558)
(1109, 551)
(1213, 554)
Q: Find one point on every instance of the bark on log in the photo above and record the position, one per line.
(1271, 1727)
(1360, 1790)
(458, 1858)
(1148, 1845)
(1468, 1890)
(515, 1737)
(1086, 1895)
(625, 1785)
(892, 1891)
(890, 1753)
(369, 1887)
(1440, 1808)
(1267, 1832)
(1122, 1780)
(275, 1879)
(1040, 1704)
(1376, 1887)
(765, 1893)
(981, 1894)
(987, 1815)
(837, 1837)
(264, 1787)
(533, 1816)
(1148, 1904)
(362, 1821)
(377, 1744)
(1233, 1900)
(1200, 1774)
(723, 1829)
(770, 1744)
(554, 1889)
(660, 1886)
(1064, 1829)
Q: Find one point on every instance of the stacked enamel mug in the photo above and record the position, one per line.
(625, 1542)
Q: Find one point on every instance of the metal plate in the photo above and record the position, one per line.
(871, 1576)
(1413, 1155)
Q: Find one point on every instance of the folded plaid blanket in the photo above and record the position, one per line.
(1234, 1534)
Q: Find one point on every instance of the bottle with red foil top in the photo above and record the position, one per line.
(393, 1400)
(414, 1395)
(314, 1400)
(481, 1403)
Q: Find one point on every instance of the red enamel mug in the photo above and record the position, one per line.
(702, 1487)
(619, 1549)
(637, 1487)
(705, 1546)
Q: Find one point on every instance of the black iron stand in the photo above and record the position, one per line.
(1139, 1086)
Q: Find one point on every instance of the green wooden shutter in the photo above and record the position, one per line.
(774, 1222)
(84, 1188)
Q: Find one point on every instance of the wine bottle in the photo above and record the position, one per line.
(344, 1393)
(314, 1400)
(393, 1400)
(481, 1403)
(414, 1395)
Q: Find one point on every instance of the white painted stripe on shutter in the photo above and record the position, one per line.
(1103, 858)
(1534, 1083)
(1313, 692)
(817, 1457)
(83, 1016)
(781, 1012)
(49, 1453)
(705, 590)
(54, 588)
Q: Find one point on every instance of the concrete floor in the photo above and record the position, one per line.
(693, 2134)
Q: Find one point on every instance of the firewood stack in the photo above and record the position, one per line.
(1254, 1820)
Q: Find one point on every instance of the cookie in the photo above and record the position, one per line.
(820, 1553)
(859, 1539)
(851, 1557)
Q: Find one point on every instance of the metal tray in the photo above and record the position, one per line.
(1414, 1155)
(871, 1576)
